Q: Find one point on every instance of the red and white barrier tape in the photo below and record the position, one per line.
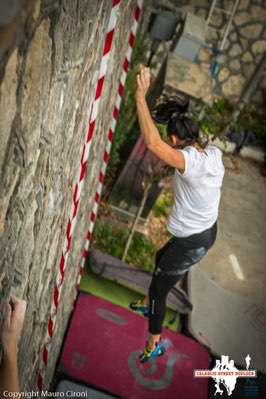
(77, 192)
(93, 213)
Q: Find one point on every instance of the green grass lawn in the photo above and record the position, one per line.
(120, 295)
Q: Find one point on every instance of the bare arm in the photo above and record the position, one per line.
(9, 380)
(148, 129)
(11, 330)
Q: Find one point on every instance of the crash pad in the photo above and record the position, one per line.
(103, 345)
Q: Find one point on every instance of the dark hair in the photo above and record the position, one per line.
(171, 111)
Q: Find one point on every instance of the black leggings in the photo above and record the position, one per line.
(172, 261)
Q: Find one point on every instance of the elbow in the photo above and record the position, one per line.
(149, 145)
(153, 145)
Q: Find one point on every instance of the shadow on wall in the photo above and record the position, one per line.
(15, 16)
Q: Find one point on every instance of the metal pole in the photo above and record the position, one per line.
(254, 80)
(251, 85)
(211, 12)
(248, 90)
(228, 27)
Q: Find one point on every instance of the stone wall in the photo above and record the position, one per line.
(50, 54)
(245, 46)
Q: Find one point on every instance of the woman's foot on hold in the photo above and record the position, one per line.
(152, 352)
(140, 307)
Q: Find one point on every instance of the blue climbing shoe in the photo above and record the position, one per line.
(140, 307)
(148, 354)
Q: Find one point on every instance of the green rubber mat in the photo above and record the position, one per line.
(120, 295)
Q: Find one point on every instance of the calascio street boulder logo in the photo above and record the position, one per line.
(225, 374)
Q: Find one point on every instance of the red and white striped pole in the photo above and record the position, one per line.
(77, 192)
(93, 213)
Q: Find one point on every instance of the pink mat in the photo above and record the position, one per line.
(102, 348)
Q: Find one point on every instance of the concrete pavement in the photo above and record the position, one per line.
(238, 260)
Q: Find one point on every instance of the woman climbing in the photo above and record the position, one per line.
(192, 223)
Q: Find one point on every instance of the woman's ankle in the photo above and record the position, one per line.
(145, 300)
(153, 340)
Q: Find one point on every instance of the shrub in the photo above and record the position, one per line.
(164, 203)
(249, 119)
(111, 239)
(124, 137)
(216, 118)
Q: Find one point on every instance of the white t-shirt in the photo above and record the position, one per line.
(197, 192)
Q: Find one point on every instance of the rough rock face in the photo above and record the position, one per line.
(50, 54)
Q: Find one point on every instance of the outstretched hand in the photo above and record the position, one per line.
(12, 324)
(143, 82)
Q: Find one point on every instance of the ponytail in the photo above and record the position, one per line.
(172, 112)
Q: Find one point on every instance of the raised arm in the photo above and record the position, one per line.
(152, 138)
